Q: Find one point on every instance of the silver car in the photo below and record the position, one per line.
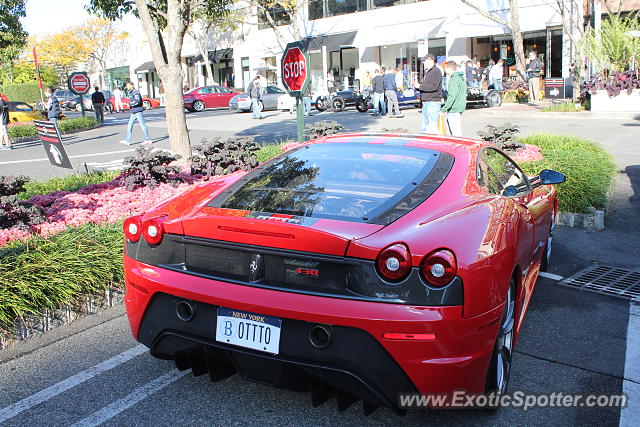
(270, 95)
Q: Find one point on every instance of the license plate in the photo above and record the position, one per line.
(249, 330)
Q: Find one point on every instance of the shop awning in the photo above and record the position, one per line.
(147, 67)
(333, 42)
(215, 56)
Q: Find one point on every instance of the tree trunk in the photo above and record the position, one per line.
(171, 77)
(518, 45)
(209, 67)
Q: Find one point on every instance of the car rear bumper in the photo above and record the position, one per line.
(359, 361)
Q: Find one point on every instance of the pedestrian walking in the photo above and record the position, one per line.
(5, 140)
(377, 97)
(390, 91)
(430, 94)
(495, 75)
(534, 70)
(456, 101)
(366, 81)
(255, 93)
(137, 109)
(117, 99)
(479, 76)
(52, 106)
(97, 99)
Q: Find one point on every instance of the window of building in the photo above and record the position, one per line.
(326, 8)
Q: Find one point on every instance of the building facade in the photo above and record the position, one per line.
(348, 38)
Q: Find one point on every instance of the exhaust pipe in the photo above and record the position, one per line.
(320, 336)
(185, 310)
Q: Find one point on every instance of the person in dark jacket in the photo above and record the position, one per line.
(391, 92)
(534, 71)
(456, 101)
(52, 107)
(97, 99)
(136, 108)
(255, 93)
(377, 97)
(5, 141)
(431, 94)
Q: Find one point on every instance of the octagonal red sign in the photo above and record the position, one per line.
(79, 83)
(295, 73)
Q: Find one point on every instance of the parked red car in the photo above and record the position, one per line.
(147, 103)
(360, 265)
(204, 97)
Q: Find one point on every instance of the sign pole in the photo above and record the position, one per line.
(300, 118)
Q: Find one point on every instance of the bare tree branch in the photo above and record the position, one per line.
(487, 14)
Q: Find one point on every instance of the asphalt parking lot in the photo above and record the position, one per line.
(92, 372)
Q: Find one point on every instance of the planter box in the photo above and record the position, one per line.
(600, 101)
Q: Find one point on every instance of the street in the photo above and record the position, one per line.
(92, 370)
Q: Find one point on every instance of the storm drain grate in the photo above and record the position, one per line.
(605, 280)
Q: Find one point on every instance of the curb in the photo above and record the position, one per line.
(593, 221)
(36, 325)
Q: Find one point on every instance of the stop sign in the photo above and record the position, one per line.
(79, 83)
(295, 74)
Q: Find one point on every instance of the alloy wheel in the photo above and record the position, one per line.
(198, 106)
(504, 342)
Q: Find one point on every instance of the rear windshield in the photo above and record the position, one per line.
(346, 181)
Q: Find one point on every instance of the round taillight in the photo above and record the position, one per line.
(153, 231)
(394, 262)
(439, 268)
(132, 228)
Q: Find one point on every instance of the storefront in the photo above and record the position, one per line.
(117, 77)
(333, 57)
(221, 65)
(148, 80)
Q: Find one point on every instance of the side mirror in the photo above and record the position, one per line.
(549, 176)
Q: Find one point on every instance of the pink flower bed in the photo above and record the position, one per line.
(529, 153)
(99, 203)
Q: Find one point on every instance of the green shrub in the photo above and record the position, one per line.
(267, 152)
(23, 92)
(42, 274)
(65, 126)
(217, 156)
(590, 170)
(565, 107)
(22, 131)
(67, 183)
(77, 123)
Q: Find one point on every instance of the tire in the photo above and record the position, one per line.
(146, 105)
(78, 107)
(321, 105)
(494, 98)
(362, 105)
(500, 365)
(198, 106)
(338, 104)
(546, 255)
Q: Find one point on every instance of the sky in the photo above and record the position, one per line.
(50, 16)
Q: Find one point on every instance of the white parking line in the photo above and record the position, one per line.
(64, 385)
(130, 399)
(46, 159)
(630, 415)
(550, 276)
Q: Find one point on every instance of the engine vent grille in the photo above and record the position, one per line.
(605, 280)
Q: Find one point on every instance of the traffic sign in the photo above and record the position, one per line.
(294, 69)
(52, 143)
(554, 88)
(79, 83)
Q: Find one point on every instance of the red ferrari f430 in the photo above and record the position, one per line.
(360, 266)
